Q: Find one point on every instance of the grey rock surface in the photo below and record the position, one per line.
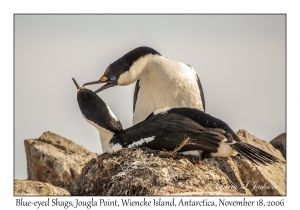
(55, 159)
(141, 171)
(28, 187)
(279, 142)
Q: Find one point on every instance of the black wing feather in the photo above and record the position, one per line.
(201, 91)
(255, 154)
(206, 120)
(169, 130)
(170, 141)
(136, 92)
(159, 125)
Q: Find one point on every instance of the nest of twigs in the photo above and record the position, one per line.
(142, 171)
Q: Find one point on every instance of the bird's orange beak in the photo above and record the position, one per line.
(103, 78)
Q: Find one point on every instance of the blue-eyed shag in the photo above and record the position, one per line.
(160, 82)
(165, 129)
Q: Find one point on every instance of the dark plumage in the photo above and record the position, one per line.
(160, 82)
(88, 101)
(124, 63)
(165, 129)
(168, 132)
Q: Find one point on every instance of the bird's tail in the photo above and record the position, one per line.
(254, 154)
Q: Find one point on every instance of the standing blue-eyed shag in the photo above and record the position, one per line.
(160, 82)
(165, 129)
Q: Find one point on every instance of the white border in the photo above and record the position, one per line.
(8, 8)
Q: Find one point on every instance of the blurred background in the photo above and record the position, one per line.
(240, 60)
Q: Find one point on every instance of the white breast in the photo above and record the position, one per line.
(224, 151)
(105, 136)
(166, 83)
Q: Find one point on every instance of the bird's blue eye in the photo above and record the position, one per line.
(113, 78)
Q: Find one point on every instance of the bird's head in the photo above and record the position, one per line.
(95, 110)
(126, 69)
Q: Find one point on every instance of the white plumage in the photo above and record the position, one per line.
(166, 129)
(161, 82)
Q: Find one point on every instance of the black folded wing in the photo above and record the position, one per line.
(167, 131)
(207, 121)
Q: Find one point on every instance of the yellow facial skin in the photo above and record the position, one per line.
(79, 89)
(103, 79)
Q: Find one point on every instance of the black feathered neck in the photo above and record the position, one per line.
(137, 53)
(124, 63)
(95, 109)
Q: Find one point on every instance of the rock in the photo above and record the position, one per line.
(27, 187)
(260, 179)
(55, 159)
(279, 143)
(141, 171)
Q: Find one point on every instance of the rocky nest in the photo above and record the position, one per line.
(56, 160)
(141, 171)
